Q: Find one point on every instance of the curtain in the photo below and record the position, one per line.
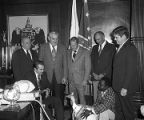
(139, 43)
(137, 34)
(137, 22)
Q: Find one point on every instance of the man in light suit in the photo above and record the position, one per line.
(23, 59)
(101, 58)
(53, 54)
(125, 81)
(79, 67)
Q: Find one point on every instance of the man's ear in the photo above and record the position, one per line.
(124, 37)
(48, 38)
(106, 87)
(35, 69)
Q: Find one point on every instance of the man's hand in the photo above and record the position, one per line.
(142, 110)
(86, 113)
(100, 76)
(47, 92)
(96, 76)
(36, 47)
(36, 94)
(123, 92)
(64, 81)
(90, 82)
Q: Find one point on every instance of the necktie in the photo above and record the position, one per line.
(74, 55)
(100, 49)
(28, 55)
(53, 53)
(38, 81)
(102, 93)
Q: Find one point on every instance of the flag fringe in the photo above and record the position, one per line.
(85, 47)
(83, 37)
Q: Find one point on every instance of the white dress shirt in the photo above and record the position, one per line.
(28, 51)
(51, 47)
(76, 51)
(102, 46)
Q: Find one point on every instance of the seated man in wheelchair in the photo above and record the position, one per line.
(104, 106)
(39, 79)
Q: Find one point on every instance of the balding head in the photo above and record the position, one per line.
(53, 38)
(99, 37)
(26, 43)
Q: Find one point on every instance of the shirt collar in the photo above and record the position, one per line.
(104, 92)
(121, 45)
(25, 50)
(51, 47)
(102, 45)
(36, 74)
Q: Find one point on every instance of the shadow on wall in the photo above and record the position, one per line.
(105, 16)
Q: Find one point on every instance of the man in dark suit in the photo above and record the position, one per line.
(22, 60)
(79, 67)
(101, 58)
(39, 78)
(53, 54)
(125, 81)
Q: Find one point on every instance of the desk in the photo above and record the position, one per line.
(23, 113)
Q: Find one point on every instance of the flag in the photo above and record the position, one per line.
(85, 39)
(84, 29)
(81, 31)
(74, 21)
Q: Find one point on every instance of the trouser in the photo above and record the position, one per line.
(124, 107)
(107, 115)
(57, 89)
(95, 89)
(78, 90)
(56, 104)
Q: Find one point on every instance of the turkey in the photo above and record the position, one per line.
(78, 109)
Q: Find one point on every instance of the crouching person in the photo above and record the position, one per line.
(104, 106)
(39, 78)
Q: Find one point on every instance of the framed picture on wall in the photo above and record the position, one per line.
(35, 27)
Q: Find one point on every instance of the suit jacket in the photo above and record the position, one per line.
(51, 100)
(59, 66)
(125, 68)
(80, 68)
(105, 102)
(44, 83)
(21, 64)
(103, 63)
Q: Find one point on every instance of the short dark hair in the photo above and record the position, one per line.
(74, 39)
(107, 81)
(37, 63)
(98, 32)
(121, 30)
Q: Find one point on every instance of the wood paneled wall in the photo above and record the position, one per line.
(57, 12)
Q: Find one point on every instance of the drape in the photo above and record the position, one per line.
(137, 35)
